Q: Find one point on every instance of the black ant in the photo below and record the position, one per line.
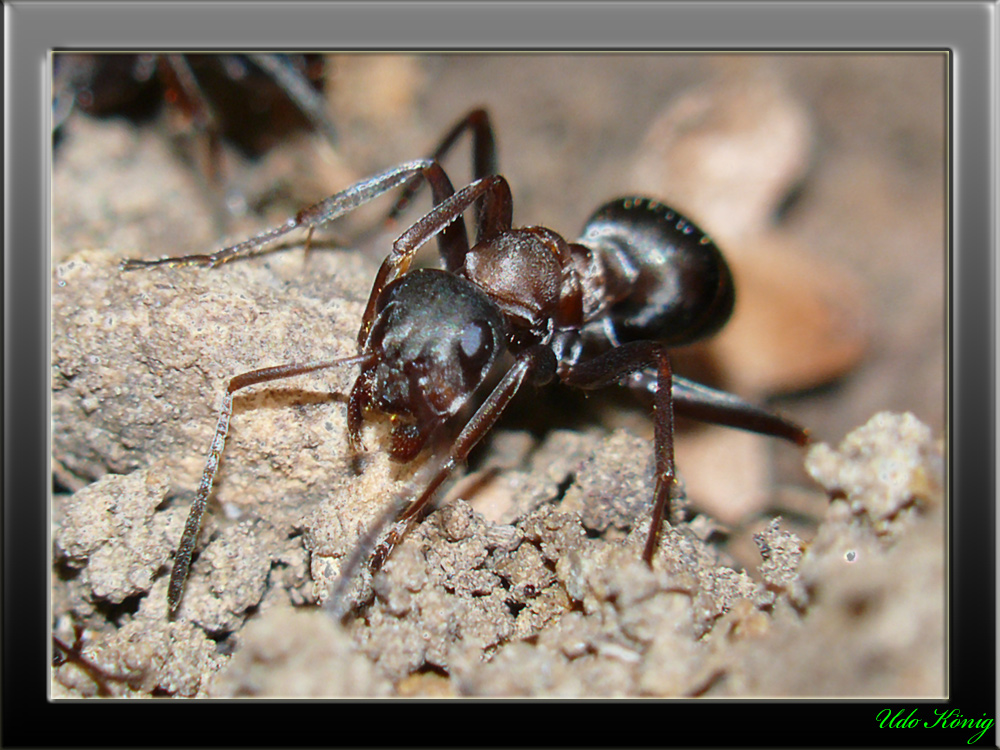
(251, 100)
(600, 311)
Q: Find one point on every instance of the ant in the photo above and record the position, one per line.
(250, 101)
(600, 311)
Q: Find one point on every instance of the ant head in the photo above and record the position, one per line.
(681, 286)
(434, 339)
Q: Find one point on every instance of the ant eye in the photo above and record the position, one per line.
(475, 343)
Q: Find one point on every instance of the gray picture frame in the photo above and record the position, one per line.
(967, 30)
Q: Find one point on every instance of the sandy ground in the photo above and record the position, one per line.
(821, 177)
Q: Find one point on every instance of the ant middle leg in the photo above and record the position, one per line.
(692, 399)
(611, 368)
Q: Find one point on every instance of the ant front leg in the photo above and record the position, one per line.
(192, 528)
(610, 368)
(326, 211)
(497, 209)
(492, 216)
(484, 160)
(536, 364)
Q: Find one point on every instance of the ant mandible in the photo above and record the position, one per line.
(600, 311)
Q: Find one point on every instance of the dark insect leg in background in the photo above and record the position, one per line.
(251, 101)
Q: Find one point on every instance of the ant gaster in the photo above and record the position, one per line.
(600, 311)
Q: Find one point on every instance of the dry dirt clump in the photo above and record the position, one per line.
(537, 607)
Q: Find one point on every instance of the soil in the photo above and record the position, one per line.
(822, 177)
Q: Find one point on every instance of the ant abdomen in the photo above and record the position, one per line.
(679, 285)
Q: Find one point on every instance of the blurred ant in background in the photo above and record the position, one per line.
(252, 102)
